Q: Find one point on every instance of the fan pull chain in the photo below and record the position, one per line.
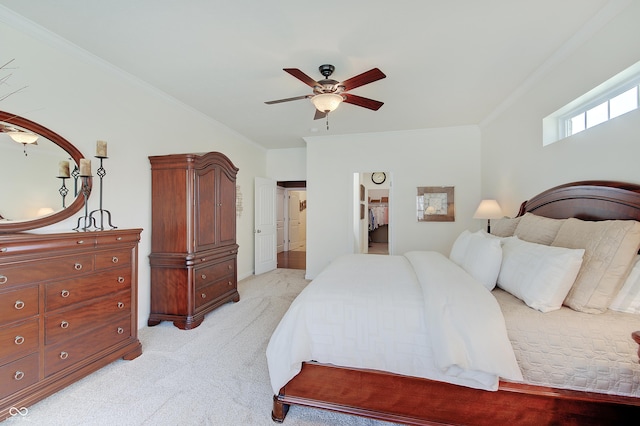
(327, 120)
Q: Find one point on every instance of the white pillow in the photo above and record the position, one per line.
(628, 298)
(459, 248)
(483, 258)
(539, 275)
(478, 254)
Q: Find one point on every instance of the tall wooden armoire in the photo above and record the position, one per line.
(193, 237)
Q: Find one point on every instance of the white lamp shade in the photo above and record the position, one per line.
(488, 209)
(23, 137)
(326, 102)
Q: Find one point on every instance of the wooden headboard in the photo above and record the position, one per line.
(587, 200)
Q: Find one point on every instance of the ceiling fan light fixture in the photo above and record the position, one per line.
(327, 102)
(23, 137)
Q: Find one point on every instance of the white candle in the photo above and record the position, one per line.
(63, 169)
(101, 149)
(85, 167)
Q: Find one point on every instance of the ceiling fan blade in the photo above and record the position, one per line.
(302, 77)
(287, 100)
(365, 78)
(362, 102)
(319, 115)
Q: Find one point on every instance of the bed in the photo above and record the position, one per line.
(586, 373)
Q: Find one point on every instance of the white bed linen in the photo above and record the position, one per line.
(574, 350)
(379, 312)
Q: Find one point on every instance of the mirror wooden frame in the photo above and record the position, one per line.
(74, 153)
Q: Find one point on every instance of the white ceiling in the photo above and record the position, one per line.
(447, 63)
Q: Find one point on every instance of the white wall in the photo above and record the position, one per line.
(84, 100)
(515, 165)
(429, 157)
(287, 164)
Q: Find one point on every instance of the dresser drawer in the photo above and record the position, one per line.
(47, 270)
(45, 244)
(205, 275)
(18, 375)
(65, 354)
(68, 292)
(18, 340)
(64, 325)
(18, 304)
(103, 239)
(212, 292)
(113, 258)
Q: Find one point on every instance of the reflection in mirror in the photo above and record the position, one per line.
(31, 183)
(39, 188)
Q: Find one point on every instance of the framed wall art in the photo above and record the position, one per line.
(435, 204)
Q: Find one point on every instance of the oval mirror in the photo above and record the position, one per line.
(32, 187)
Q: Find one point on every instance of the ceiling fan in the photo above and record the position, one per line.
(328, 94)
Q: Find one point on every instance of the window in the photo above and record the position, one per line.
(613, 98)
(611, 108)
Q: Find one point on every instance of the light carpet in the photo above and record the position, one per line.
(215, 374)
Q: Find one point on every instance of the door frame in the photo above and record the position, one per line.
(358, 232)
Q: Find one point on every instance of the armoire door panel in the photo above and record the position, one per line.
(227, 210)
(206, 209)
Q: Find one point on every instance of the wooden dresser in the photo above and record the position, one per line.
(68, 306)
(193, 237)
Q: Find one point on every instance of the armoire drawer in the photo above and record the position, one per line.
(18, 304)
(47, 270)
(68, 292)
(66, 324)
(113, 258)
(212, 292)
(19, 339)
(205, 275)
(18, 375)
(65, 354)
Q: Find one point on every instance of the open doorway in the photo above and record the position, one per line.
(291, 224)
(372, 212)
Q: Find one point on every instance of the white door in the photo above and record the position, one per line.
(265, 226)
(280, 205)
(294, 220)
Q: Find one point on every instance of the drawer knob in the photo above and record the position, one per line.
(230, 266)
(80, 242)
(120, 330)
(118, 238)
(64, 324)
(203, 276)
(120, 280)
(230, 283)
(3, 250)
(18, 340)
(64, 293)
(203, 295)
(204, 259)
(19, 304)
(18, 375)
(120, 305)
(77, 266)
(3, 279)
(64, 355)
(115, 259)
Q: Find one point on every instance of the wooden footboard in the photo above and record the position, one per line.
(416, 401)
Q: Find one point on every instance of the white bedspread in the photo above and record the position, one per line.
(417, 314)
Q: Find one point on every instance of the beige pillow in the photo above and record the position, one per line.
(537, 229)
(504, 227)
(610, 248)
